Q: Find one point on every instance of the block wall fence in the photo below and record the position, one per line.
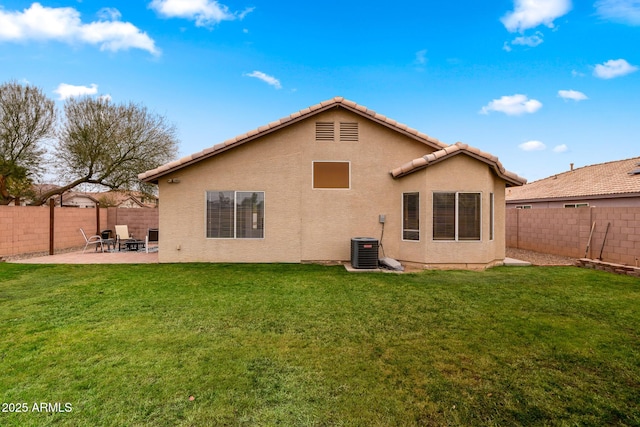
(565, 231)
(25, 229)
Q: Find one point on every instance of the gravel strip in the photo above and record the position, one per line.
(538, 258)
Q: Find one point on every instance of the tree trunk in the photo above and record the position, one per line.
(42, 199)
(5, 197)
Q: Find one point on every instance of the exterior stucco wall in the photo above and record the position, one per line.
(331, 218)
(307, 224)
(301, 223)
(269, 165)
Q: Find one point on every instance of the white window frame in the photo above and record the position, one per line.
(235, 215)
(576, 205)
(457, 217)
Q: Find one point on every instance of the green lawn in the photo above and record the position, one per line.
(208, 345)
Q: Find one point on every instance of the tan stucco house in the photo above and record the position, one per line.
(300, 188)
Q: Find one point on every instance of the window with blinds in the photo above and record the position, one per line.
(411, 216)
(457, 216)
(235, 215)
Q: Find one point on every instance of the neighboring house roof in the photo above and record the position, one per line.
(70, 198)
(117, 198)
(443, 151)
(604, 180)
(120, 198)
(453, 150)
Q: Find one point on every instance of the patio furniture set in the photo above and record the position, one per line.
(122, 240)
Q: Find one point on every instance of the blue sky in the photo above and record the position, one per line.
(538, 83)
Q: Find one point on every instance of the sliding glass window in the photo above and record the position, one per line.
(235, 215)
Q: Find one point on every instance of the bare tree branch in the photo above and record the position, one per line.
(108, 144)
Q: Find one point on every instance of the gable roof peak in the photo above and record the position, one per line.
(449, 151)
(337, 101)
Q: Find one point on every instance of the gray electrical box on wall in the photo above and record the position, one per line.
(382, 218)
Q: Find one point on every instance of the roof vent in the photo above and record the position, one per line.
(635, 172)
(348, 131)
(324, 131)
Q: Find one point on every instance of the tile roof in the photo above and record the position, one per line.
(453, 150)
(604, 179)
(443, 150)
(117, 197)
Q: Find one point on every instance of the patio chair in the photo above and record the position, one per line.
(92, 240)
(122, 235)
(152, 237)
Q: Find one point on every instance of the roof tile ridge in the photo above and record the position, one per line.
(609, 162)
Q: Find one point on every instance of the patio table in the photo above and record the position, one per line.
(133, 245)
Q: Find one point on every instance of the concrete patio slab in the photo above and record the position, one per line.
(512, 262)
(140, 257)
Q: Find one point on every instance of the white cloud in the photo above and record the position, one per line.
(532, 13)
(513, 105)
(265, 78)
(532, 146)
(421, 57)
(65, 90)
(624, 11)
(531, 41)
(206, 13)
(64, 24)
(613, 68)
(562, 148)
(109, 14)
(572, 94)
